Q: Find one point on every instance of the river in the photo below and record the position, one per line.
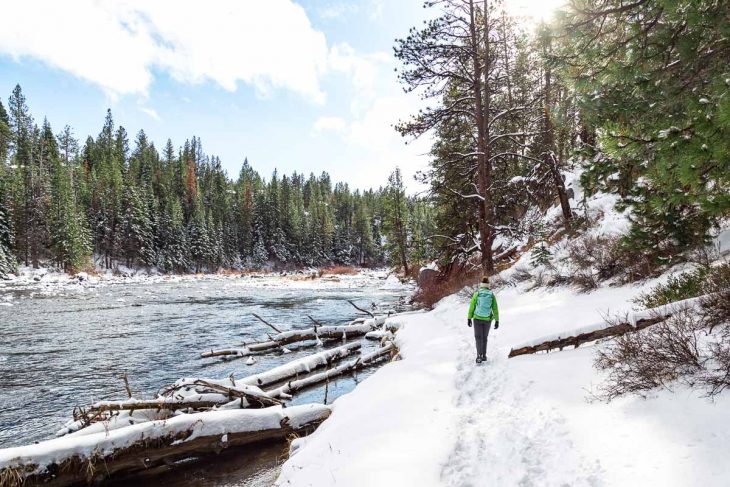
(66, 345)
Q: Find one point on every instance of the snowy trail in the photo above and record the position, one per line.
(435, 418)
(505, 438)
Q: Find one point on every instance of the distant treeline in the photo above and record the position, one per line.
(64, 203)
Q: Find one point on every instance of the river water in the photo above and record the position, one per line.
(68, 345)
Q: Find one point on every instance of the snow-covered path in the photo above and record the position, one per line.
(504, 437)
(436, 418)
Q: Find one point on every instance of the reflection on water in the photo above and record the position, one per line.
(72, 348)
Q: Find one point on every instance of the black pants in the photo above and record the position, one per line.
(481, 332)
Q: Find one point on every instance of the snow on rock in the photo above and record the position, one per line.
(199, 424)
(435, 418)
(432, 266)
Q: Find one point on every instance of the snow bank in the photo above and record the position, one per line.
(389, 430)
(435, 418)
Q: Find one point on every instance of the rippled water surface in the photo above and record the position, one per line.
(71, 347)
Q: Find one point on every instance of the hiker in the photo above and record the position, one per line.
(482, 310)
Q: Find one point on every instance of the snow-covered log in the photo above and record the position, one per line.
(636, 321)
(200, 394)
(302, 366)
(362, 362)
(577, 340)
(88, 459)
(315, 333)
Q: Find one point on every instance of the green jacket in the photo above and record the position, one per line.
(473, 305)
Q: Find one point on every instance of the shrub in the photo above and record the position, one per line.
(692, 346)
(703, 280)
(540, 255)
(455, 279)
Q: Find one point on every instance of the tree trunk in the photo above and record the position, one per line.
(549, 156)
(483, 174)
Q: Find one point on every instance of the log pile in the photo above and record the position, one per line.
(384, 352)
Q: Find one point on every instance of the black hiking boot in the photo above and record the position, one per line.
(479, 360)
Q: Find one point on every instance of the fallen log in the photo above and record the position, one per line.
(193, 394)
(89, 459)
(636, 321)
(577, 340)
(322, 333)
(300, 366)
(365, 361)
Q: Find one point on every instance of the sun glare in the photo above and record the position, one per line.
(535, 10)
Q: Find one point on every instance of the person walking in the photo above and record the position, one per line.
(482, 310)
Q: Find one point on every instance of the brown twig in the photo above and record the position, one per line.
(360, 309)
(266, 323)
(126, 385)
(317, 323)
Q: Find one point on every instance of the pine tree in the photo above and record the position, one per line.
(362, 234)
(5, 134)
(138, 245)
(178, 211)
(7, 259)
(652, 78)
(395, 224)
(540, 255)
(173, 241)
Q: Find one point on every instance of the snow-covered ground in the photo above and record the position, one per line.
(436, 418)
(47, 282)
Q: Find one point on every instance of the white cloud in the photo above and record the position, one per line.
(376, 9)
(365, 71)
(338, 10)
(329, 124)
(151, 112)
(375, 134)
(118, 44)
(371, 141)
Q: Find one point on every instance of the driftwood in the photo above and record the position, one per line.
(294, 336)
(365, 361)
(211, 396)
(577, 340)
(360, 309)
(266, 323)
(301, 366)
(316, 323)
(142, 448)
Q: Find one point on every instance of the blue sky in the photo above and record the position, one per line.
(305, 86)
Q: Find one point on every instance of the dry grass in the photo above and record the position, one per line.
(12, 477)
(338, 270)
(457, 278)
